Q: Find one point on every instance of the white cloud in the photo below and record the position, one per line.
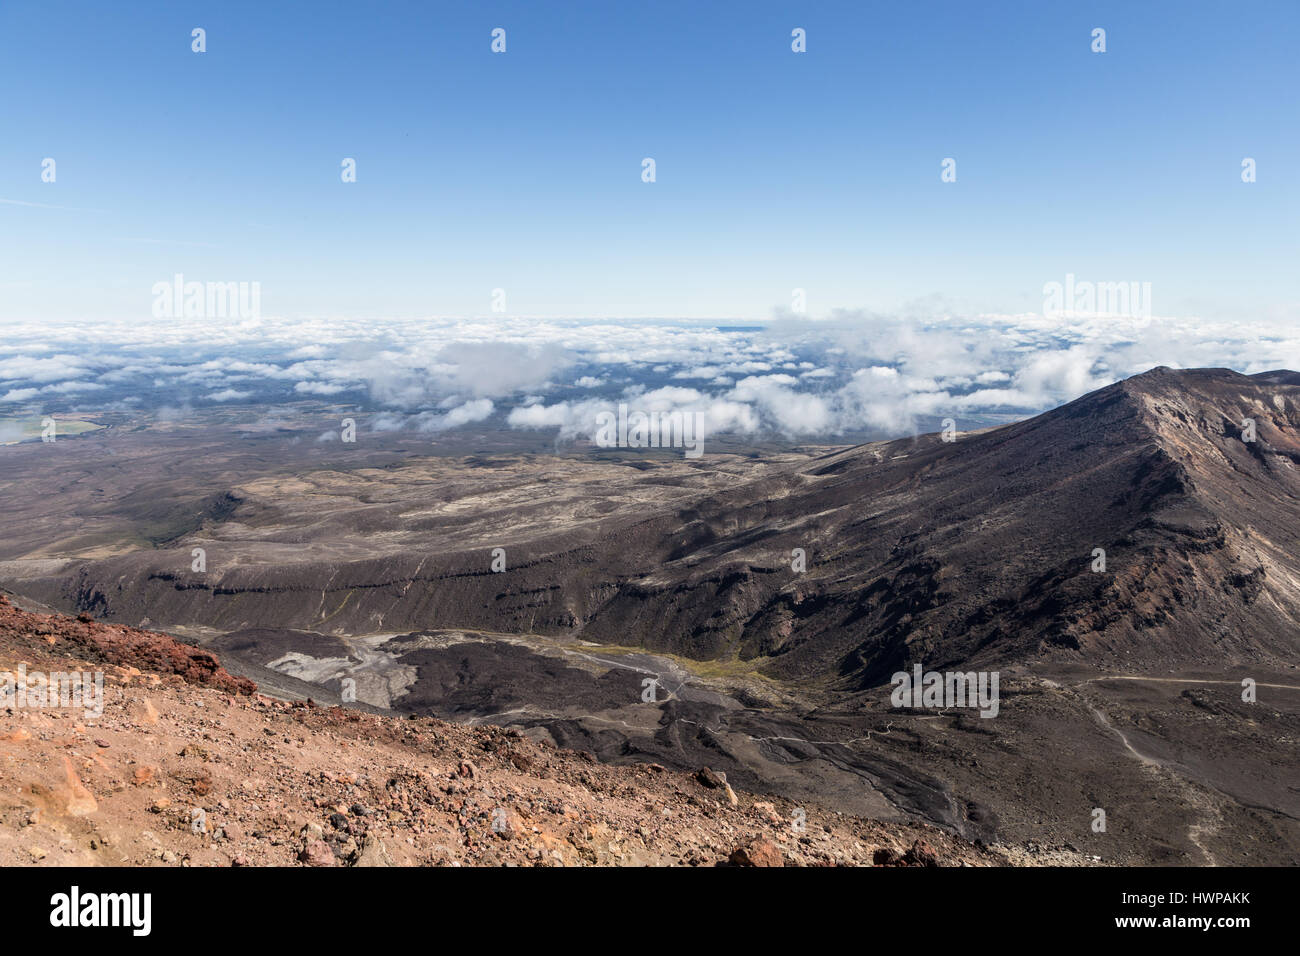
(52, 369)
(70, 387)
(540, 416)
(474, 411)
(845, 372)
(319, 388)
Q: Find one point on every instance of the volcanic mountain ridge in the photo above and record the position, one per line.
(980, 551)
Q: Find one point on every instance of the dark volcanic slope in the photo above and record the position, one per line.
(978, 551)
(982, 549)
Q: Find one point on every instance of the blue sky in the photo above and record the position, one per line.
(521, 171)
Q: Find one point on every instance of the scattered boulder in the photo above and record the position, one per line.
(316, 853)
(373, 853)
(711, 778)
(920, 854)
(759, 852)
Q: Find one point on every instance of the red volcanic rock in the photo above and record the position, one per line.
(316, 853)
(123, 646)
(760, 852)
(920, 854)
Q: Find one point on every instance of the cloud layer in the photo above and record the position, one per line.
(847, 373)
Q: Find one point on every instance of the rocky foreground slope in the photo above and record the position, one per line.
(189, 766)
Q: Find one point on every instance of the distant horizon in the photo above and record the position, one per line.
(841, 377)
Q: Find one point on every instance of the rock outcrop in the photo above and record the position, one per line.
(97, 641)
